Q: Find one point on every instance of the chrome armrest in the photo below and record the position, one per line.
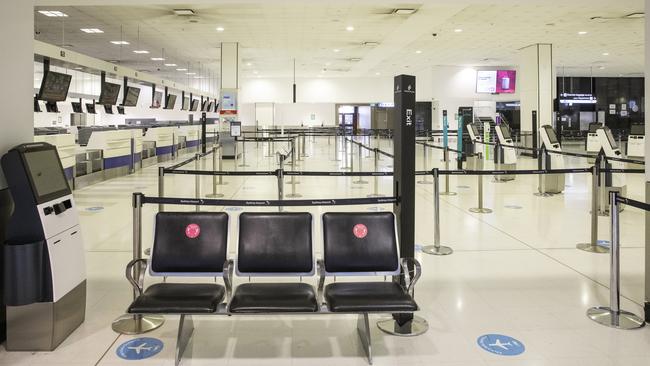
(228, 268)
(320, 264)
(411, 278)
(133, 271)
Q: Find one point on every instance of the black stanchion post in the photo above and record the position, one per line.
(404, 188)
(425, 162)
(161, 187)
(281, 180)
(613, 316)
(197, 180)
(436, 248)
(447, 192)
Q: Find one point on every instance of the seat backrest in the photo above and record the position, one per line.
(275, 243)
(189, 243)
(360, 243)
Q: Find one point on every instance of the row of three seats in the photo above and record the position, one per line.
(195, 244)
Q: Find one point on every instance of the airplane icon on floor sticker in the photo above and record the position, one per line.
(500, 344)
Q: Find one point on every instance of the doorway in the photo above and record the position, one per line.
(354, 119)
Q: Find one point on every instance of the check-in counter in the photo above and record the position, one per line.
(116, 147)
(164, 139)
(66, 148)
(189, 138)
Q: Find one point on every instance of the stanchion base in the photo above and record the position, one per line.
(480, 210)
(425, 182)
(373, 195)
(588, 247)
(415, 327)
(448, 193)
(214, 195)
(433, 250)
(360, 182)
(619, 320)
(544, 194)
(294, 195)
(132, 324)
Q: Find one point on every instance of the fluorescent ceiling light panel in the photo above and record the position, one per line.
(220, 29)
(605, 53)
(404, 11)
(92, 30)
(157, 59)
(170, 65)
(181, 69)
(190, 73)
(53, 13)
(336, 50)
(120, 42)
(458, 30)
(582, 33)
(349, 28)
(418, 52)
(140, 51)
(183, 11)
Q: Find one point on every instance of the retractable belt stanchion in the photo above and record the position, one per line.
(602, 209)
(542, 164)
(293, 182)
(360, 180)
(613, 316)
(197, 180)
(436, 248)
(243, 153)
(216, 181)
(480, 209)
(376, 178)
(161, 187)
(268, 147)
(336, 146)
(425, 162)
(345, 153)
(281, 180)
(446, 192)
(593, 246)
(304, 142)
(129, 323)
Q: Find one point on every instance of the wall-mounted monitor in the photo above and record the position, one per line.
(208, 108)
(76, 107)
(496, 81)
(131, 96)
(506, 80)
(109, 94)
(170, 102)
(54, 87)
(120, 109)
(216, 107)
(157, 99)
(637, 129)
(186, 104)
(108, 109)
(195, 105)
(204, 105)
(90, 108)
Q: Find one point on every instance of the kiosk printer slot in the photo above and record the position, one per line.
(636, 141)
(44, 265)
(475, 136)
(505, 156)
(613, 182)
(553, 183)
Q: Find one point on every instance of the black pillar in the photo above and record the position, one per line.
(125, 83)
(535, 134)
(166, 94)
(203, 137)
(404, 169)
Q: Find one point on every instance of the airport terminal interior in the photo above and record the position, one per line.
(285, 182)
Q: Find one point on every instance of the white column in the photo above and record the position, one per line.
(230, 61)
(536, 85)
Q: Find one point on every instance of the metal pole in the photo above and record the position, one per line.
(425, 180)
(304, 142)
(129, 323)
(243, 153)
(543, 164)
(480, 209)
(436, 249)
(603, 187)
(215, 182)
(446, 192)
(161, 186)
(593, 246)
(336, 147)
(360, 180)
(376, 178)
(613, 316)
(345, 152)
(268, 146)
(293, 182)
(197, 180)
(281, 181)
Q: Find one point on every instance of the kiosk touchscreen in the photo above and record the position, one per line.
(473, 163)
(474, 133)
(636, 141)
(506, 156)
(45, 271)
(551, 183)
(593, 142)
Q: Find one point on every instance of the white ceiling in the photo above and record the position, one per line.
(272, 33)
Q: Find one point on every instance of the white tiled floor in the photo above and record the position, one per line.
(514, 272)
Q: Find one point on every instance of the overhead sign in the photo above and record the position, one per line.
(501, 344)
(139, 348)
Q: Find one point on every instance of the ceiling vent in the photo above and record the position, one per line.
(403, 11)
(184, 12)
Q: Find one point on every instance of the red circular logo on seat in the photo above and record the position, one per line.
(360, 231)
(192, 231)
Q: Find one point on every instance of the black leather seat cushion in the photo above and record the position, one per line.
(274, 298)
(368, 297)
(179, 298)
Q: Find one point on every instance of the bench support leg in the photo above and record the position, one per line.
(185, 331)
(363, 328)
(404, 325)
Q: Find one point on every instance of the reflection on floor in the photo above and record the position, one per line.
(514, 272)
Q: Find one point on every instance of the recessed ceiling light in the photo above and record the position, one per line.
(140, 51)
(249, 64)
(255, 72)
(605, 53)
(181, 69)
(190, 73)
(157, 59)
(170, 65)
(119, 42)
(220, 29)
(184, 12)
(403, 11)
(418, 51)
(336, 50)
(601, 68)
(582, 33)
(349, 28)
(458, 30)
(377, 73)
(53, 13)
(92, 30)
(328, 63)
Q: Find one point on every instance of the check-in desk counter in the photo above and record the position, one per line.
(89, 167)
(66, 148)
(211, 134)
(164, 140)
(148, 154)
(189, 138)
(117, 151)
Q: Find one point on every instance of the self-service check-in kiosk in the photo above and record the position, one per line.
(593, 141)
(44, 264)
(505, 155)
(636, 141)
(613, 182)
(476, 138)
(551, 183)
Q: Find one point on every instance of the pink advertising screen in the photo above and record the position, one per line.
(506, 80)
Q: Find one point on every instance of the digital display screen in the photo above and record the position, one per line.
(474, 129)
(90, 108)
(486, 81)
(506, 80)
(132, 95)
(505, 131)
(610, 138)
(108, 109)
(593, 127)
(109, 94)
(195, 105)
(637, 129)
(186, 104)
(76, 107)
(45, 171)
(54, 87)
(157, 99)
(552, 137)
(171, 101)
(235, 129)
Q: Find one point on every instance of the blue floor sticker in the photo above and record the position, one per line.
(95, 209)
(501, 344)
(139, 348)
(603, 243)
